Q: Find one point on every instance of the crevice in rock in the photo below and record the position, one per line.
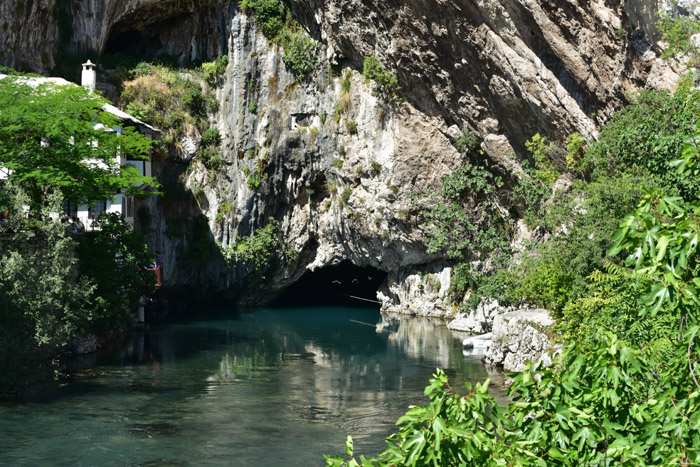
(341, 284)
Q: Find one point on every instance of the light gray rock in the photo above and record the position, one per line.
(478, 321)
(518, 337)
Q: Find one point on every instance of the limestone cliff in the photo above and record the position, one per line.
(502, 70)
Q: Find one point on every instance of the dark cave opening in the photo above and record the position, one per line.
(341, 285)
(128, 42)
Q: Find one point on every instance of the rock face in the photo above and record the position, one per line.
(346, 172)
(519, 336)
(480, 320)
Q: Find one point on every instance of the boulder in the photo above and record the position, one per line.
(520, 336)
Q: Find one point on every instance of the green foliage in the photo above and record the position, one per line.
(662, 237)
(346, 83)
(254, 179)
(645, 136)
(270, 15)
(575, 151)
(542, 153)
(468, 142)
(193, 100)
(170, 99)
(529, 195)
(252, 107)
(345, 195)
(211, 158)
(599, 404)
(300, 52)
(465, 223)
(114, 259)
(257, 251)
(52, 138)
(213, 70)
(47, 300)
(211, 137)
(464, 220)
(581, 223)
(613, 303)
(677, 30)
(352, 127)
(372, 70)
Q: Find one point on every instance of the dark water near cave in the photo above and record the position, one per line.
(260, 388)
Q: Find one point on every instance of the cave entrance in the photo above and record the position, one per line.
(343, 284)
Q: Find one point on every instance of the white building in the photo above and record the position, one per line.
(120, 203)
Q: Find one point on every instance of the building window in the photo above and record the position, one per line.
(70, 208)
(128, 207)
(95, 211)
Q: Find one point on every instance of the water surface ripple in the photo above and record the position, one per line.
(262, 388)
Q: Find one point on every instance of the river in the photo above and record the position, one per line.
(269, 387)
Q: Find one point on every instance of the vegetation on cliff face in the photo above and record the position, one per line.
(300, 52)
(624, 390)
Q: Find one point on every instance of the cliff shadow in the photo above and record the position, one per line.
(342, 284)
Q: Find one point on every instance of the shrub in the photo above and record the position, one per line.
(257, 251)
(299, 52)
(211, 137)
(345, 195)
(269, 14)
(212, 70)
(372, 70)
(542, 153)
(352, 127)
(254, 180)
(211, 158)
(647, 135)
(467, 142)
(677, 30)
(193, 100)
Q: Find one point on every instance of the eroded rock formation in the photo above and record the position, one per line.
(502, 70)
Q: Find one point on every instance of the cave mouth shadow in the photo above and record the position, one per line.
(343, 284)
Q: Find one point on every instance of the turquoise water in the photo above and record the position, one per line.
(262, 388)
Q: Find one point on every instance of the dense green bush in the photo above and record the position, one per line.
(260, 252)
(212, 70)
(372, 70)
(676, 31)
(300, 52)
(623, 391)
(211, 137)
(645, 136)
(271, 15)
(114, 259)
(54, 288)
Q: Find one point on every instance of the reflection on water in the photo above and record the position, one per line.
(270, 387)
